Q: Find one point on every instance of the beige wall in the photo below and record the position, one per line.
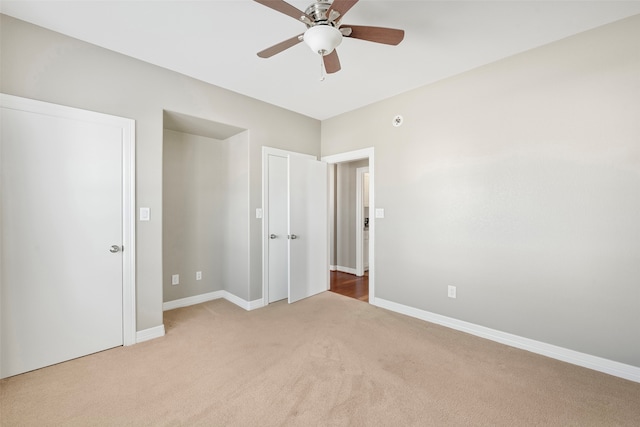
(205, 214)
(238, 220)
(519, 183)
(47, 66)
(194, 177)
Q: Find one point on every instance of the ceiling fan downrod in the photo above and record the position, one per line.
(323, 73)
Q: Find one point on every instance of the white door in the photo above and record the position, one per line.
(308, 228)
(296, 229)
(62, 235)
(277, 231)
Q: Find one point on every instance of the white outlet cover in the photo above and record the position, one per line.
(379, 213)
(175, 279)
(451, 291)
(258, 213)
(198, 275)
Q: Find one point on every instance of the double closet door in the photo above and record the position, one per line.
(296, 255)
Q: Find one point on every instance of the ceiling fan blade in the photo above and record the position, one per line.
(277, 48)
(390, 36)
(341, 6)
(331, 62)
(284, 7)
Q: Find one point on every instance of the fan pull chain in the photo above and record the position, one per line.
(322, 69)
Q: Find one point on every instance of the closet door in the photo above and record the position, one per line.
(62, 236)
(278, 226)
(308, 228)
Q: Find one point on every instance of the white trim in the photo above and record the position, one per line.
(360, 268)
(247, 305)
(343, 269)
(236, 300)
(149, 334)
(256, 303)
(631, 373)
(350, 156)
(333, 268)
(210, 296)
(284, 153)
(365, 153)
(129, 232)
(196, 299)
(129, 334)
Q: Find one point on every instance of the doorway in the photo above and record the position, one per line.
(344, 158)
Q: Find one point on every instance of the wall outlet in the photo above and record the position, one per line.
(451, 292)
(175, 279)
(198, 275)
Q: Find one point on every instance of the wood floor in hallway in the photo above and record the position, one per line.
(350, 285)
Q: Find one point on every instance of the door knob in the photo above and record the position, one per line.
(273, 236)
(293, 236)
(114, 249)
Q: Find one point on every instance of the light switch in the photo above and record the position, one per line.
(144, 214)
(379, 213)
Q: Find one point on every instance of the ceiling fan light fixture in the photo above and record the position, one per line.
(322, 38)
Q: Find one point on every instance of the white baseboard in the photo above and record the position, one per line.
(149, 334)
(256, 303)
(236, 300)
(622, 370)
(344, 269)
(197, 299)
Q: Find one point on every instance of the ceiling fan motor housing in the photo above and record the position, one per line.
(318, 12)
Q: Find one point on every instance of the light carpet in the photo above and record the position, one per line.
(327, 360)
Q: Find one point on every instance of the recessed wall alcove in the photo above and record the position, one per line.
(205, 205)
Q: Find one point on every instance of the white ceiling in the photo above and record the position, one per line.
(216, 41)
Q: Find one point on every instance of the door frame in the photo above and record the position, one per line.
(127, 127)
(350, 156)
(360, 268)
(266, 152)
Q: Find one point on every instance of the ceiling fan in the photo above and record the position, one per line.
(325, 30)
